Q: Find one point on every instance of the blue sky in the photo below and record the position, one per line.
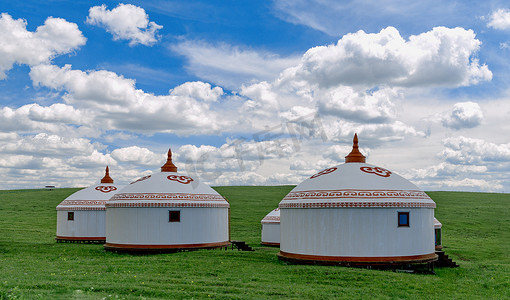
(254, 93)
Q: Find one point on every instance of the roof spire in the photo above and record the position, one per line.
(107, 178)
(355, 155)
(169, 165)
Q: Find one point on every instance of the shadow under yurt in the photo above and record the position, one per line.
(166, 212)
(357, 214)
(81, 216)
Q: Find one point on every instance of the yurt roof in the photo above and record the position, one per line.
(437, 224)
(356, 184)
(272, 217)
(167, 189)
(93, 197)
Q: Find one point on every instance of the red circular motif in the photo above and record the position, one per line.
(327, 171)
(105, 189)
(180, 179)
(377, 171)
(143, 178)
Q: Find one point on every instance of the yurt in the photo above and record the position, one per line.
(81, 216)
(166, 211)
(357, 214)
(437, 234)
(270, 235)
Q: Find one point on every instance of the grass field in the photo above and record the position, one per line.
(476, 234)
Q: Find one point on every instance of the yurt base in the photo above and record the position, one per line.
(419, 263)
(147, 249)
(81, 240)
(270, 244)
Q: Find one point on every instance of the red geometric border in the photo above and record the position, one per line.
(167, 196)
(351, 193)
(356, 204)
(110, 205)
(71, 208)
(271, 218)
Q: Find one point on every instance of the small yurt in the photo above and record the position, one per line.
(81, 216)
(357, 214)
(437, 234)
(270, 235)
(166, 211)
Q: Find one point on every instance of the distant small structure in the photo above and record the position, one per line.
(166, 212)
(270, 233)
(357, 214)
(50, 187)
(81, 216)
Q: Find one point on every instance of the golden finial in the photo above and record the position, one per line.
(355, 155)
(169, 165)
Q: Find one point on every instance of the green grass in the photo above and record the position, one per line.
(476, 234)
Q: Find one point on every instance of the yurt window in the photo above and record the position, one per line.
(403, 219)
(70, 216)
(174, 216)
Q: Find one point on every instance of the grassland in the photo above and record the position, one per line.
(476, 234)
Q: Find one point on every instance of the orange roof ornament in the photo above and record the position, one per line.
(355, 156)
(169, 165)
(107, 178)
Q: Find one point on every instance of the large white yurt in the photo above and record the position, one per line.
(357, 214)
(270, 235)
(81, 216)
(166, 211)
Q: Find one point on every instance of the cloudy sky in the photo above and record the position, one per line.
(254, 93)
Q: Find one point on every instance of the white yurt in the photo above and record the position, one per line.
(357, 214)
(270, 235)
(81, 216)
(166, 211)
(437, 233)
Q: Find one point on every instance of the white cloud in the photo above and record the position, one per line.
(125, 22)
(19, 46)
(231, 66)
(114, 103)
(499, 19)
(440, 57)
(468, 151)
(138, 156)
(464, 115)
(44, 144)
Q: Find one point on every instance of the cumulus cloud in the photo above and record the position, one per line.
(500, 19)
(44, 144)
(464, 115)
(125, 22)
(20, 46)
(464, 151)
(440, 57)
(231, 66)
(114, 103)
(139, 156)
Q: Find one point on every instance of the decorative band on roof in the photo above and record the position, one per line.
(271, 219)
(166, 204)
(350, 193)
(356, 204)
(83, 202)
(73, 208)
(167, 196)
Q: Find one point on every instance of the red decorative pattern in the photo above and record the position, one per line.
(166, 204)
(82, 205)
(141, 179)
(377, 171)
(271, 218)
(106, 189)
(356, 204)
(73, 208)
(324, 172)
(348, 193)
(180, 179)
(167, 196)
(83, 202)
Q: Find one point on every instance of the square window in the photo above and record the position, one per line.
(174, 216)
(403, 219)
(70, 216)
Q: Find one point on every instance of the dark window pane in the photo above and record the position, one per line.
(174, 216)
